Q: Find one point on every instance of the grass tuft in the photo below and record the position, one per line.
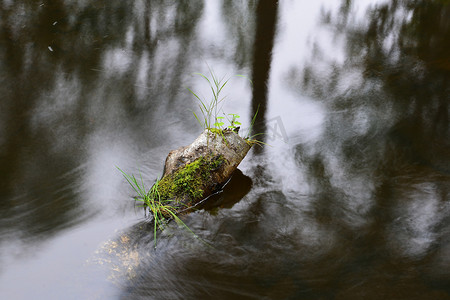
(210, 110)
(159, 207)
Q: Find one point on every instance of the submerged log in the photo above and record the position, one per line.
(194, 172)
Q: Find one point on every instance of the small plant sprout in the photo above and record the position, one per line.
(219, 122)
(210, 110)
(233, 123)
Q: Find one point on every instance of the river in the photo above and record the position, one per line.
(348, 199)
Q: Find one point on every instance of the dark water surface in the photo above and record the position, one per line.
(349, 201)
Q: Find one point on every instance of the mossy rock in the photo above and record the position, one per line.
(194, 172)
(191, 182)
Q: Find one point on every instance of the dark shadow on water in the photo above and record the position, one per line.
(266, 21)
(236, 189)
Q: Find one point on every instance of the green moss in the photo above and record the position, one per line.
(216, 162)
(190, 180)
(216, 131)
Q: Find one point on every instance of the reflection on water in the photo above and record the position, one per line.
(348, 201)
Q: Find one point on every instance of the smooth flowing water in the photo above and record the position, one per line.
(350, 199)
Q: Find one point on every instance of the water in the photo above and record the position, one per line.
(349, 201)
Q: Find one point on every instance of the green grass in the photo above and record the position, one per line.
(175, 193)
(160, 208)
(248, 136)
(211, 109)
